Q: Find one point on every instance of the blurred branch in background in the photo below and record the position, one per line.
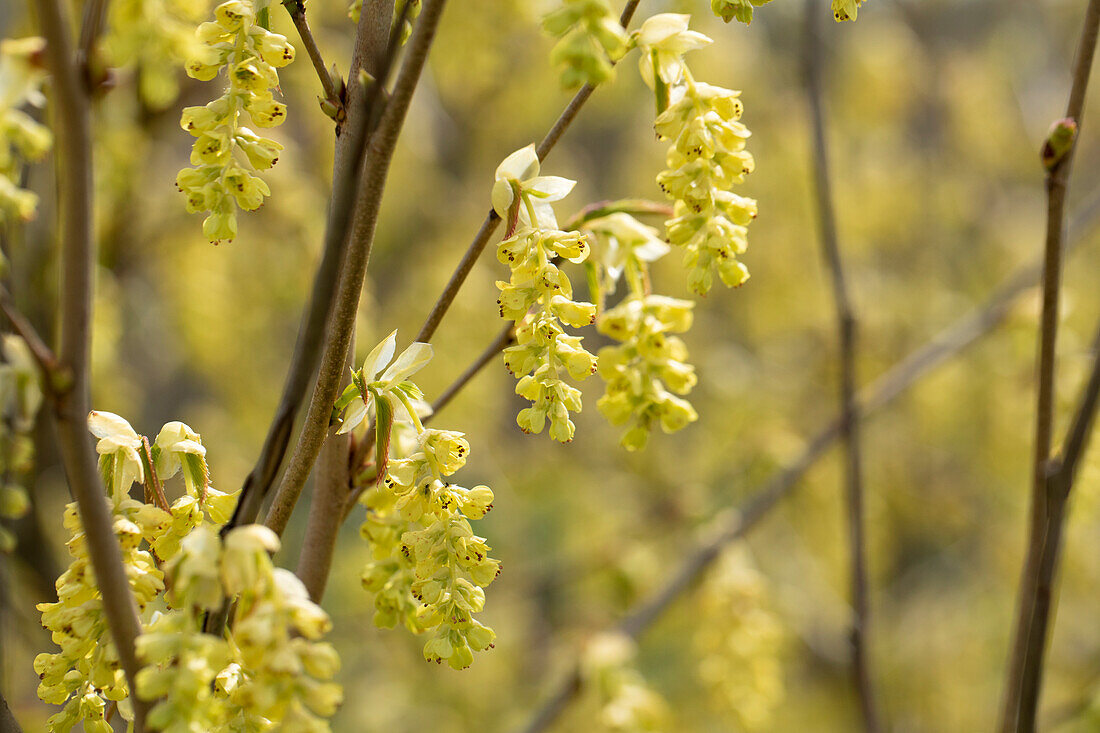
(948, 343)
(1021, 694)
(7, 721)
(847, 336)
(95, 16)
(52, 376)
(1059, 482)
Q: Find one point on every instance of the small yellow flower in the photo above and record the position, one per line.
(663, 40)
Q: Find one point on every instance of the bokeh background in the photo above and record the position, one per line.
(935, 109)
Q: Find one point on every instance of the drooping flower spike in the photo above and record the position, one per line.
(22, 72)
(739, 10)
(225, 153)
(592, 40)
(706, 159)
(428, 569)
(539, 295)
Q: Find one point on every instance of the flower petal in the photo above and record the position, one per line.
(550, 188)
(652, 250)
(379, 357)
(520, 165)
(109, 425)
(412, 360)
(354, 415)
(544, 215)
(503, 195)
(661, 27)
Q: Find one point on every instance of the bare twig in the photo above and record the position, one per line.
(8, 724)
(504, 339)
(1020, 699)
(73, 129)
(379, 155)
(330, 489)
(1059, 483)
(350, 150)
(489, 225)
(53, 377)
(326, 507)
(95, 18)
(297, 11)
(847, 334)
(941, 348)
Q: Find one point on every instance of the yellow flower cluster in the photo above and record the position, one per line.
(739, 642)
(428, 569)
(706, 159)
(740, 10)
(647, 360)
(20, 400)
(225, 152)
(592, 40)
(626, 703)
(649, 364)
(21, 137)
(539, 296)
(846, 9)
(86, 672)
(269, 672)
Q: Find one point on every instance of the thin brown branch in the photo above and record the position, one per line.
(297, 11)
(379, 155)
(1021, 694)
(847, 335)
(941, 348)
(73, 129)
(504, 339)
(1060, 480)
(52, 375)
(8, 723)
(489, 225)
(326, 507)
(92, 25)
(351, 146)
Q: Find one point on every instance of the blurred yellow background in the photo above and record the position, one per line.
(935, 112)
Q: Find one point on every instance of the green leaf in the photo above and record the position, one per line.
(350, 393)
(660, 89)
(383, 426)
(196, 473)
(410, 389)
